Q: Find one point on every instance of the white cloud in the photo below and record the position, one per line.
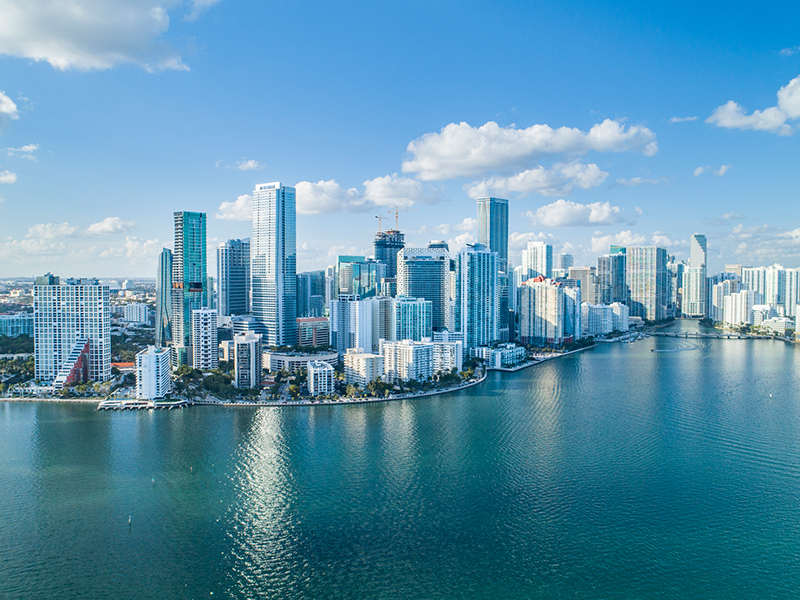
(461, 150)
(8, 110)
(663, 240)
(51, 231)
(25, 151)
(387, 191)
(733, 116)
(198, 7)
(249, 165)
(558, 181)
(682, 119)
(790, 51)
(91, 34)
(565, 213)
(459, 242)
(601, 243)
(326, 197)
(519, 241)
(634, 181)
(8, 177)
(109, 226)
(699, 171)
(240, 209)
(722, 170)
(445, 229)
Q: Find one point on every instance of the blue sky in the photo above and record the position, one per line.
(602, 123)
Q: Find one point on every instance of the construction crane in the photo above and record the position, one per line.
(380, 222)
(397, 210)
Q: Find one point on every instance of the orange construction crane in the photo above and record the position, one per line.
(380, 222)
(397, 210)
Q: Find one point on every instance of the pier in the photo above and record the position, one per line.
(134, 404)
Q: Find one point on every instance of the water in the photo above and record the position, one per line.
(615, 473)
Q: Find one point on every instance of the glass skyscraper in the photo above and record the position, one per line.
(164, 298)
(189, 278)
(425, 273)
(477, 306)
(273, 263)
(233, 278)
(387, 245)
(493, 228)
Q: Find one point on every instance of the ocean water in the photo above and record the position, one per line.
(614, 473)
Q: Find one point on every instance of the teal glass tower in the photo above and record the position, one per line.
(164, 298)
(273, 251)
(493, 228)
(189, 279)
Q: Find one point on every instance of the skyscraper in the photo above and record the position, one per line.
(411, 318)
(610, 284)
(205, 346)
(493, 228)
(233, 277)
(424, 273)
(647, 281)
(189, 279)
(550, 313)
(694, 279)
(273, 257)
(563, 261)
(477, 306)
(72, 331)
(537, 260)
(387, 245)
(310, 294)
(164, 298)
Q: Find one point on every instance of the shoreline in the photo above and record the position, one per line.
(341, 401)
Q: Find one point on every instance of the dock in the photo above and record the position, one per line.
(135, 404)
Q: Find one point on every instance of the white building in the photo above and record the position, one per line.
(596, 319)
(621, 316)
(16, 324)
(247, 359)
(136, 312)
(760, 313)
(406, 360)
(321, 376)
(67, 316)
(448, 336)
(778, 325)
(448, 356)
(205, 347)
(362, 367)
(549, 313)
(737, 307)
(351, 323)
(536, 260)
(506, 355)
(153, 373)
(294, 361)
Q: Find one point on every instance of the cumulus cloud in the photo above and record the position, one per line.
(461, 150)
(682, 119)
(519, 241)
(558, 181)
(774, 119)
(763, 244)
(8, 177)
(248, 165)
(387, 191)
(25, 151)
(699, 171)
(240, 209)
(722, 170)
(663, 240)
(565, 213)
(445, 229)
(601, 243)
(459, 242)
(8, 109)
(92, 34)
(198, 7)
(109, 226)
(51, 231)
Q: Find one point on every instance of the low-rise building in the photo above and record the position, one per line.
(320, 378)
(294, 361)
(448, 356)
(16, 324)
(778, 325)
(506, 355)
(136, 312)
(406, 360)
(362, 367)
(621, 316)
(153, 373)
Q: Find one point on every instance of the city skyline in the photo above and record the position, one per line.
(606, 142)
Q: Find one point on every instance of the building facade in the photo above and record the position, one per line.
(273, 263)
(411, 318)
(164, 298)
(247, 359)
(314, 331)
(70, 317)
(425, 273)
(647, 279)
(321, 377)
(362, 367)
(153, 373)
(233, 277)
(205, 345)
(476, 306)
(406, 359)
(189, 279)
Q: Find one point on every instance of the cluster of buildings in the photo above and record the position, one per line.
(404, 313)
